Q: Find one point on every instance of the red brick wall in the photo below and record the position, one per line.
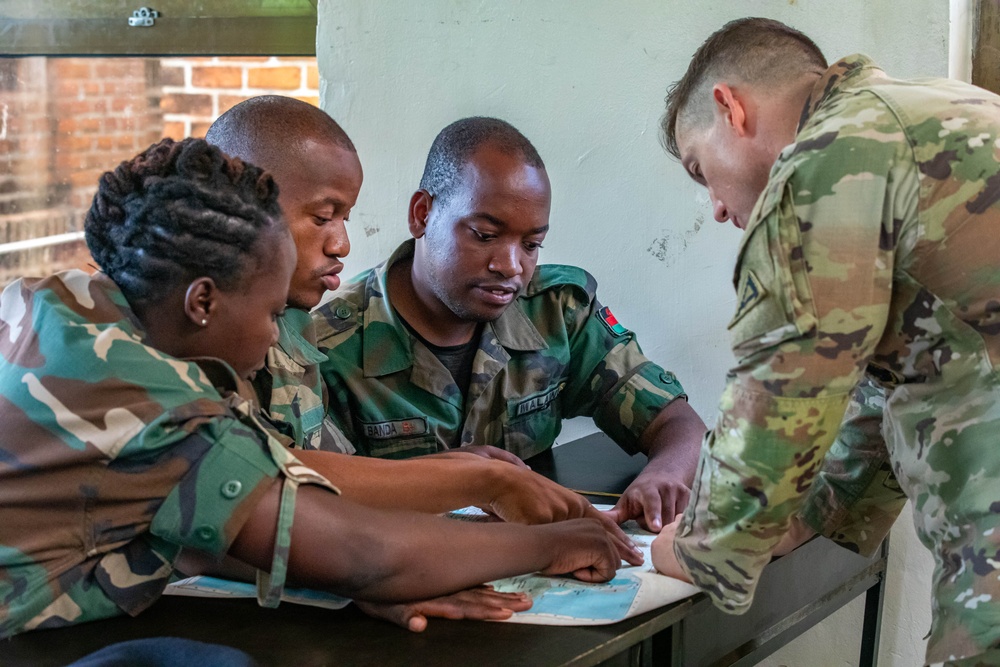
(65, 121)
(196, 91)
(105, 110)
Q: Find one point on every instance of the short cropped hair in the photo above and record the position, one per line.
(176, 212)
(753, 51)
(262, 129)
(455, 144)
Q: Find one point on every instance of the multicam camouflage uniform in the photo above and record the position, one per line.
(554, 353)
(114, 456)
(874, 252)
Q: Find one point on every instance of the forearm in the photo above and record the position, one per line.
(753, 479)
(370, 554)
(425, 485)
(672, 441)
(856, 498)
(192, 562)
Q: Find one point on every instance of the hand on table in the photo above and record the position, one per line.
(527, 497)
(650, 497)
(664, 559)
(585, 549)
(481, 603)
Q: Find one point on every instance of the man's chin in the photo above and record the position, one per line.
(305, 300)
(484, 314)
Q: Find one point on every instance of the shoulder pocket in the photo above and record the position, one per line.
(773, 301)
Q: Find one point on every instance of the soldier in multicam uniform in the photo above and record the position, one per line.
(116, 454)
(459, 340)
(868, 281)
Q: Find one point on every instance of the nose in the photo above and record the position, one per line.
(506, 261)
(719, 210)
(275, 334)
(337, 243)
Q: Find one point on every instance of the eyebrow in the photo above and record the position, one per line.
(327, 200)
(492, 219)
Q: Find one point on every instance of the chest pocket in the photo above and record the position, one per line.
(773, 300)
(396, 438)
(533, 423)
(312, 427)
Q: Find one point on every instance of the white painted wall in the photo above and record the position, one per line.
(585, 80)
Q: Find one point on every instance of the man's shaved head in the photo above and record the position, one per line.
(263, 130)
(318, 174)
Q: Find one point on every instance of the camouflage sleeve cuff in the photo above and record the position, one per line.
(271, 584)
(856, 513)
(635, 401)
(209, 505)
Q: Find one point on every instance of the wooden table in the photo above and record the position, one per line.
(795, 592)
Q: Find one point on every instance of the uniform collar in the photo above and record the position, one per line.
(391, 351)
(223, 377)
(116, 296)
(842, 74)
(515, 331)
(293, 328)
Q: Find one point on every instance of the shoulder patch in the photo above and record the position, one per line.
(611, 322)
(751, 293)
(551, 276)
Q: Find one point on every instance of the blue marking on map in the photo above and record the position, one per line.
(569, 598)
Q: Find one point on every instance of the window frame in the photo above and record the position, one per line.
(261, 28)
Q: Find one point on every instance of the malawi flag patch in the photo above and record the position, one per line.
(608, 319)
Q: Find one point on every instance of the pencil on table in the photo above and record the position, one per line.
(597, 493)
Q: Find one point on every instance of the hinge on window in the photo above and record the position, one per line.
(144, 17)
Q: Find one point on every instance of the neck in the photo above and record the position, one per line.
(786, 109)
(165, 333)
(422, 310)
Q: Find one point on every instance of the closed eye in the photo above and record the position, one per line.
(696, 174)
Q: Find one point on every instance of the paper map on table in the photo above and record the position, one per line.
(212, 587)
(555, 600)
(565, 601)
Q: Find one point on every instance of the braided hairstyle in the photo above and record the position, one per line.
(176, 212)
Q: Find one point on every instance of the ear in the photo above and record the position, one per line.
(201, 301)
(420, 208)
(731, 105)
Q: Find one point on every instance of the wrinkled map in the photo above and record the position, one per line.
(566, 601)
(555, 600)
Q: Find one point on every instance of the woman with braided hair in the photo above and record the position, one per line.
(118, 451)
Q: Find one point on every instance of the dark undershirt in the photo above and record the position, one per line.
(458, 360)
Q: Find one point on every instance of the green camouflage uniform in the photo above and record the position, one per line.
(114, 456)
(871, 257)
(292, 391)
(554, 353)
